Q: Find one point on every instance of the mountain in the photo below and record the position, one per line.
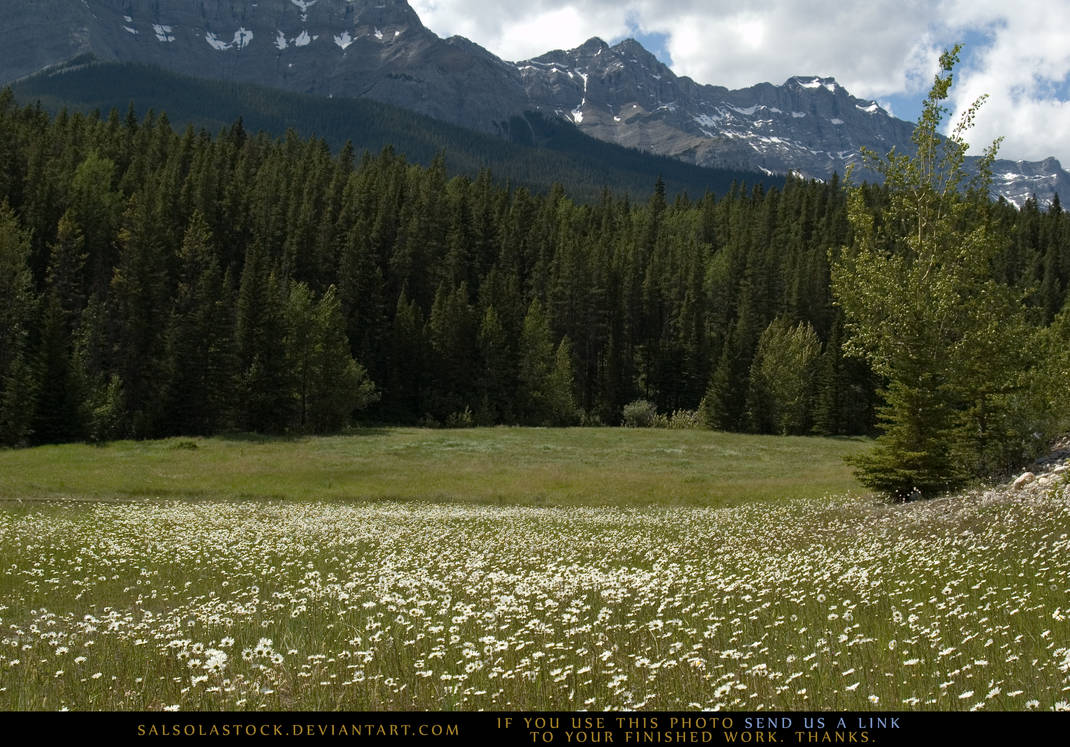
(538, 152)
(380, 50)
(362, 48)
(809, 125)
(624, 94)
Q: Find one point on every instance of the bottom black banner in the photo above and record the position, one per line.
(556, 728)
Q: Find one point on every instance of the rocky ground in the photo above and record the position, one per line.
(1048, 471)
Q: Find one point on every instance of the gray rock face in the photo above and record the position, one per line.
(1017, 181)
(373, 48)
(379, 49)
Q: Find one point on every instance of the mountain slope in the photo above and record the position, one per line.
(538, 152)
(380, 50)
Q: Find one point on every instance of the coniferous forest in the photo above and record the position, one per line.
(157, 283)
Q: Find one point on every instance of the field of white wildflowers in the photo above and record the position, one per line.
(846, 603)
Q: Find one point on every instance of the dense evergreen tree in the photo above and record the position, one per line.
(157, 283)
(201, 357)
(329, 386)
(18, 380)
(138, 301)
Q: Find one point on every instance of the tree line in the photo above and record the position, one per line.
(159, 283)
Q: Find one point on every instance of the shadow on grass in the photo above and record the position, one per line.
(264, 438)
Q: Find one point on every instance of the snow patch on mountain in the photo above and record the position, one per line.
(577, 113)
(343, 40)
(241, 40)
(829, 84)
(163, 33)
(215, 42)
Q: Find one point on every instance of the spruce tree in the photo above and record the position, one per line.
(537, 360)
(138, 299)
(560, 402)
(329, 385)
(200, 342)
(18, 379)
(496, 377)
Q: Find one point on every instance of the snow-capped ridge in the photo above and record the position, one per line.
(815, 82)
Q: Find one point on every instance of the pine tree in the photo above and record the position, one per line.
(329, 385)
(560, 398)
(96, 208)
(266, 388)
(138, 295)
(200, 343)
(18, 379)
(66, 269)
(496, 377)
(405, 393)
(58, 412)
(537, 358)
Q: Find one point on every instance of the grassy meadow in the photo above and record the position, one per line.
(511, 466)
(519, 569)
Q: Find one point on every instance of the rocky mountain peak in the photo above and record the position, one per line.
(592, 46)
(814, 83)
(383, 13)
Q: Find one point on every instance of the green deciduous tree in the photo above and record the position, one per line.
(782, 377)
(922, 307)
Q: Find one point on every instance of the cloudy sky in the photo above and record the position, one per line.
(1016, 52)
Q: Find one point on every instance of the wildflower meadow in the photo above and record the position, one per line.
(848, 602)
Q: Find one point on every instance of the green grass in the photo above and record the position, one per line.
(375, 572)
(521, 466)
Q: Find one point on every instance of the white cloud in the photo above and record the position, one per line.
(1022, 69)
(517, 32)
(874, 48)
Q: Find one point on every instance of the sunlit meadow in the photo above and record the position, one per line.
(834, 603)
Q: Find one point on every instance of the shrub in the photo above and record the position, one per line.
(461, 419)
(685, 420)
(639, 414)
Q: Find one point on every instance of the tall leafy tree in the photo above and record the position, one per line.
(782, 377)
(923, 309)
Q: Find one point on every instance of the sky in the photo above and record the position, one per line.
(1018, 53)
